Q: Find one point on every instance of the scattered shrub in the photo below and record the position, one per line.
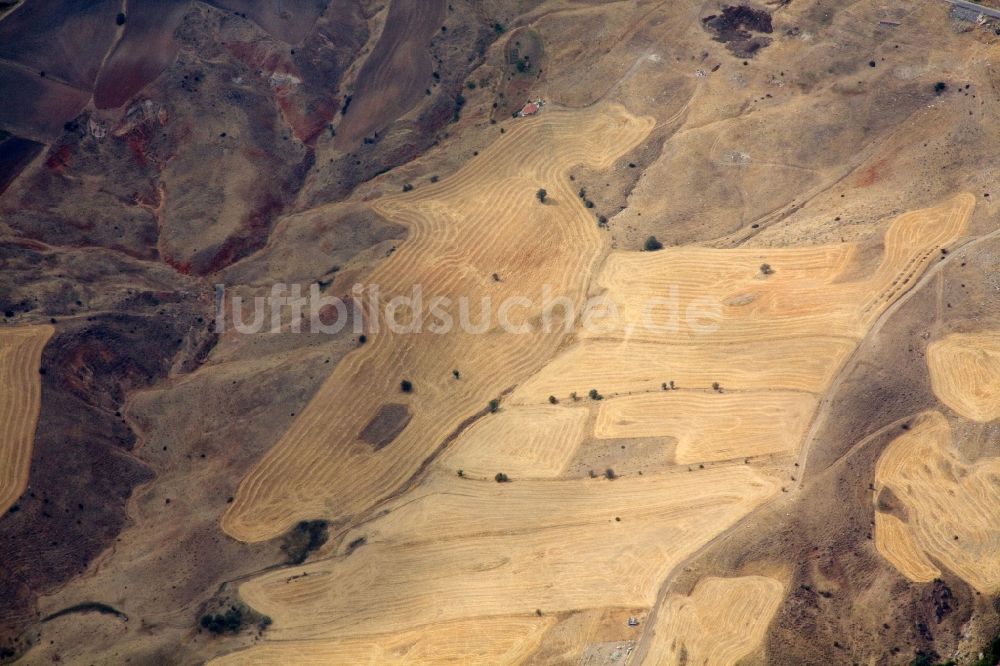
(652, 245)
(304, 538)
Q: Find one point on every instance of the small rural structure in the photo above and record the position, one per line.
(530, 108)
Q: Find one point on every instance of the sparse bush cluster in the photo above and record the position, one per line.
(234, 620)
(304, 538)
(602, 220)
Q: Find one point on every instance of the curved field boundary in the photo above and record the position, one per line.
(485, 220)
(472, 548)
(533, 441)
(965, 373)
(708, 426)
(895, 542)
(723, 621)
(953, 505)
(20, 402)
(502, 640)
(750, 383)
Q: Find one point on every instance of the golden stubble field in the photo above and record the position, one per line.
(951, 507)
(965, 373)
(20, 401)
(424, 553)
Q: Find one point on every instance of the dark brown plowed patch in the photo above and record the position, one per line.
(146, 49)
(15, 154)
(396, 73)
(67, 39)
(40, 106)
(386, 425)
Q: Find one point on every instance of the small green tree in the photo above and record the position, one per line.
(553, 400)
(594, 395)
(501, 477)
(406, 386)
(766, 269)
(652, 245)
(541, 194)
(494, 405)
(610, 474)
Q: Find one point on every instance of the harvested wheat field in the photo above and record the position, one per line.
(741, 343)
(20, 401)
(499, 332)
(502, 640)
(965, 373)
(720, 623)
(711, 427)
(953, 506)
(896, 543)
(538, 542)
(474, 549)
(526, 442)
(484, 220)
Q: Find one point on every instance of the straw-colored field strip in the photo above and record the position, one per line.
(532, 441)
(709, 426)
(20, 401)
(453, 548)
(502, 640)
(965, 373)
(771, 340)
(478, 548)
(485, 220)
(723, 621)
(953, 505)
(895, 543)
